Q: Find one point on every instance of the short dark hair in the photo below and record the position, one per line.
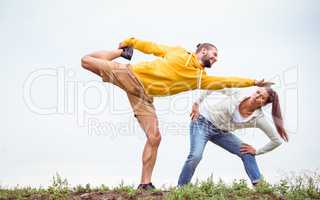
(205, 45)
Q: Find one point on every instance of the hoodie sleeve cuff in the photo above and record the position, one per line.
(128, 41)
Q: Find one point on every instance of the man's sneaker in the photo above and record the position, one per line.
(151, 186)
(127, 52)
(148, 186)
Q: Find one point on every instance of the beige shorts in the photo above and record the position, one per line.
(122, 76)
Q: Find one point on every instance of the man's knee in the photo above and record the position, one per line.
(154, 139)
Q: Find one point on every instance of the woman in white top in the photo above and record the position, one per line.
(216, 121)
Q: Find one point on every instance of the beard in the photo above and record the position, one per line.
(206, 61)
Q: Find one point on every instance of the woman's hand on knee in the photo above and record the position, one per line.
(246, 148)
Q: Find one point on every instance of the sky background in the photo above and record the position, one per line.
(57, 117)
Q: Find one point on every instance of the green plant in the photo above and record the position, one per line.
(59, 189)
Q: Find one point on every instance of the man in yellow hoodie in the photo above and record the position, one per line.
(176, 70)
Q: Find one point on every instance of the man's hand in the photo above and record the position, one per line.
(263, 83)
(246, 148)
(195, 112)
(121, 45)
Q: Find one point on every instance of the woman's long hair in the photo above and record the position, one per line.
(276, 113)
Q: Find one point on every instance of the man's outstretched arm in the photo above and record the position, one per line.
(217, 82)
(146, 47)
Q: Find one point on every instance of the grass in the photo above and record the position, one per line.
(295, 187)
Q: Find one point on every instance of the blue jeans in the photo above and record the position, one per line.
(203, 130)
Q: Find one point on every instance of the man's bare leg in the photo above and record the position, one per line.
(150, 126)
(149, 158)
(107, 55)
(96, 61)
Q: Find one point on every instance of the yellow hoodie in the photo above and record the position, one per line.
(177, 70)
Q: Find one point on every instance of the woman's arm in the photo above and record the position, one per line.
(195, 107)
(271, 133)
(203, 96)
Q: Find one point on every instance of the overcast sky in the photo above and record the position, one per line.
(52, 108)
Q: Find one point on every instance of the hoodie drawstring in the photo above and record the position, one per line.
(199, 79)
(189, 58)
